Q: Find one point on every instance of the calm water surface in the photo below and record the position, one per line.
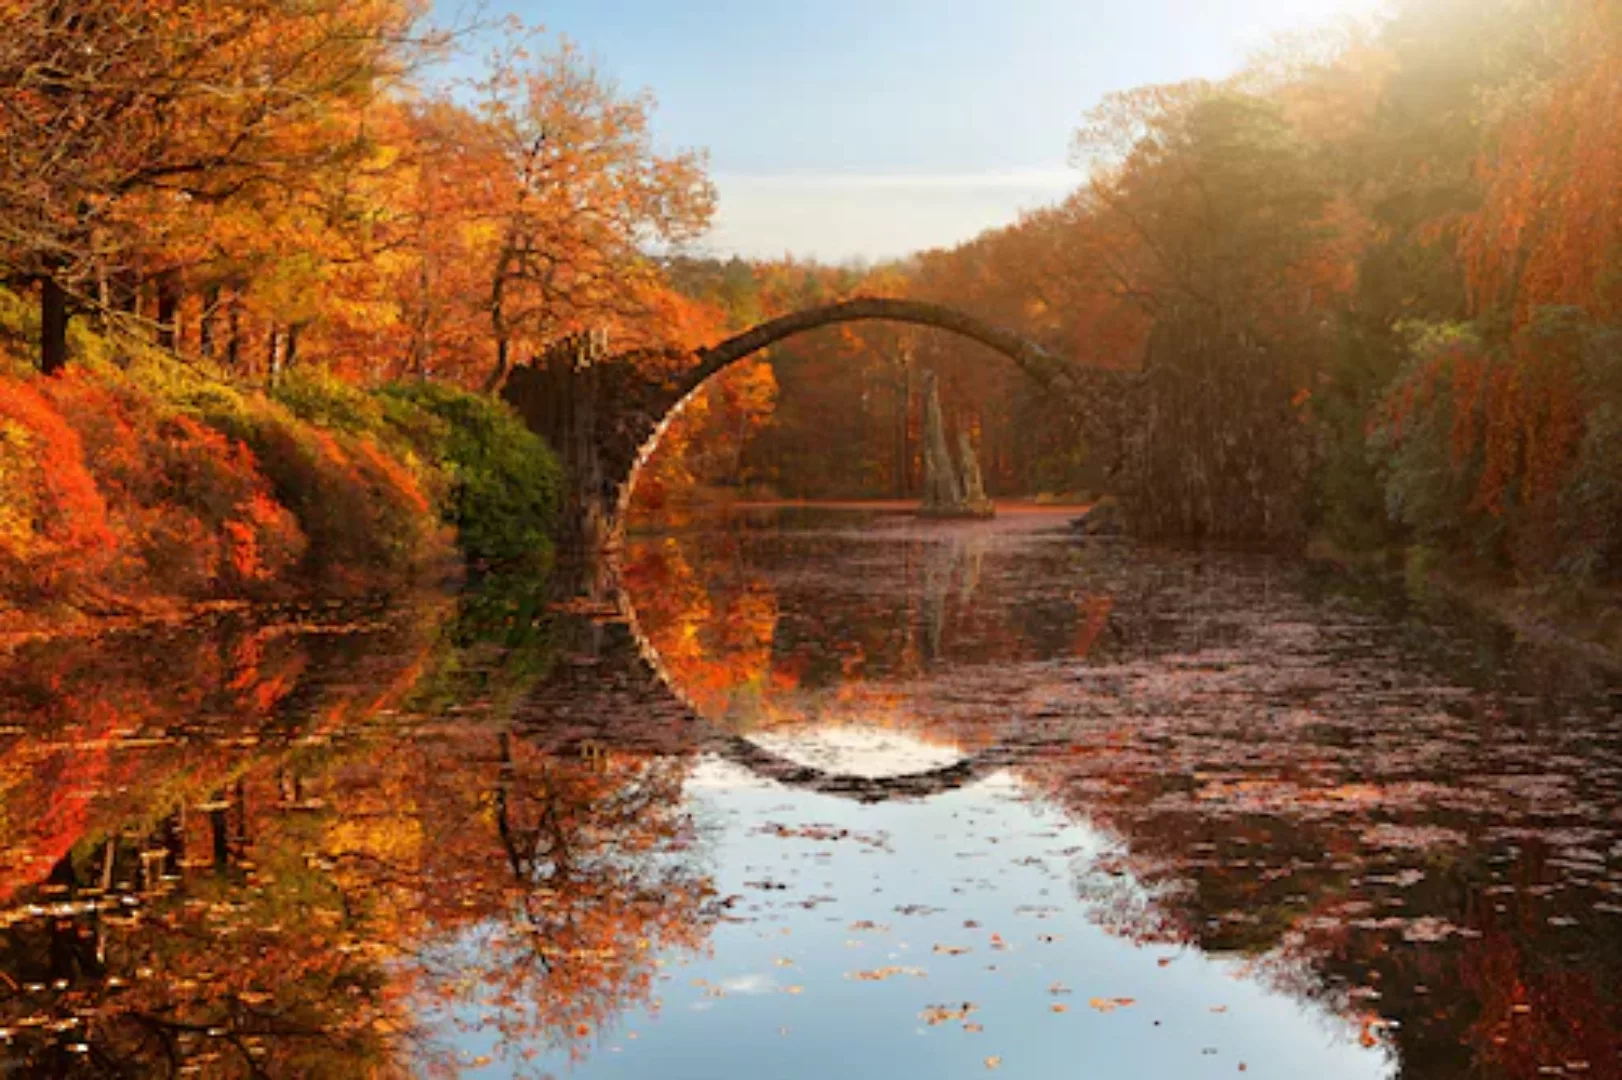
(826, 794)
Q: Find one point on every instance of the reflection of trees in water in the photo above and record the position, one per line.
(256, 849)
(601, 877)
(238, 850)
(1425, 858)
(156, 918)
(1343, 796)
(761, 630)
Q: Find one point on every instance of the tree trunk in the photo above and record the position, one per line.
(233, 341)
(422, 348)
(53, 326)
(498, 377)
(168, 289)
(205, 325)
(290, 353)
(273, 359)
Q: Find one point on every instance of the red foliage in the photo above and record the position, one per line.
(61, 521)
(193, 516)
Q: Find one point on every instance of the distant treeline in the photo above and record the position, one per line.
(1372, 283)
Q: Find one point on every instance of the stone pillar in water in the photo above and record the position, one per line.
(943, 490)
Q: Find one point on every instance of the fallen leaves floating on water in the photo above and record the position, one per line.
(880, 974)
(1107, 1005)
(993, 1062)
(952, 950)
(936, 1015)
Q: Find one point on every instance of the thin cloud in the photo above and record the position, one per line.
(847, 216)
(1058, 180)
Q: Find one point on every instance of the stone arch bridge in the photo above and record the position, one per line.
(604, 414)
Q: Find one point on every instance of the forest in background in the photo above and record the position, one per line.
(1367, 290)
(1370, 285)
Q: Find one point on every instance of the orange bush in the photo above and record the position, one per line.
(193, 516)
(53, 519)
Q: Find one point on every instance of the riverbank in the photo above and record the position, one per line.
(1584, 624)
(671, 517)
(137, 487)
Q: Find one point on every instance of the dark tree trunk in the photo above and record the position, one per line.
(219, 831)
(123, 293)
(168, 311)
(290, 353)
(53, 325)
(498, 377)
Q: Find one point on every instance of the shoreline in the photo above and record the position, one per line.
(1533, 615)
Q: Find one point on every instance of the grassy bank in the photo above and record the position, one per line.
(137, 485)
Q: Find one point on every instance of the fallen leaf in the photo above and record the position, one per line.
(1105, 1005)
(941, 1014)
(880, 974)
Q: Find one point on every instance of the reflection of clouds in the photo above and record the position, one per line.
(719, 774)
(858, 751)
(749, 984)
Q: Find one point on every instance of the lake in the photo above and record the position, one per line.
(822, 792)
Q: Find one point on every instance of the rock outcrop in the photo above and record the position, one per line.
(948, 490)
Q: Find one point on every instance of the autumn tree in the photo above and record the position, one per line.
(119, 110)
(578, 196)
(1223, 208)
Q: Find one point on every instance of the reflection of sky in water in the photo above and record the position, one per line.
(779, 996)
(856, 751)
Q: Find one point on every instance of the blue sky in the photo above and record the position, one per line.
(846, 129)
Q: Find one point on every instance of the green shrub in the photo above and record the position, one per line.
(505, 482)
(316, 395)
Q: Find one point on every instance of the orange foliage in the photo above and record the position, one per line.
(53, 520)
(190, 511)
(1550, 227)
(1515, 414)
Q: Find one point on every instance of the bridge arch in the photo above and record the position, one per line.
(1047, 368)
(605, 417)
